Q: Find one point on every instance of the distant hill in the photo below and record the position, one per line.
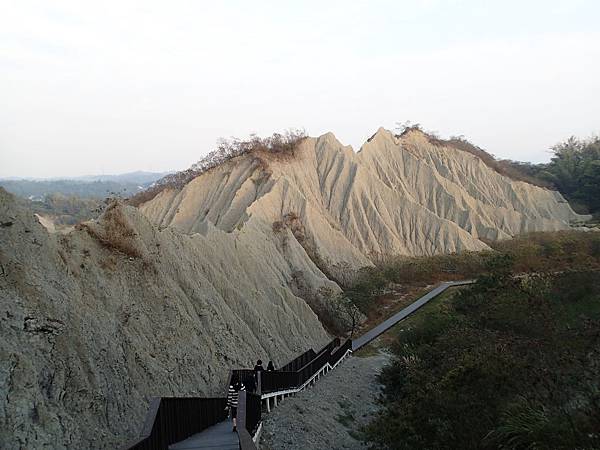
(92, 186)
(139, 177)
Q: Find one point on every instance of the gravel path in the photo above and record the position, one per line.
(327, 415)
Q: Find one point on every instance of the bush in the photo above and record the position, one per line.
(485, 370)
(115, 233)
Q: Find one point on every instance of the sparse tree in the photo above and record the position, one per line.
(349, 312)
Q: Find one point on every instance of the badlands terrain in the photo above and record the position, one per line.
(165, 297)
(396, 196)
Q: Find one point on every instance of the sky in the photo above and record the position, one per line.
(89, 87)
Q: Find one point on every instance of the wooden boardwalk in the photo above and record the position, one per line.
(389, 323)
(217, 437)
(221, 436)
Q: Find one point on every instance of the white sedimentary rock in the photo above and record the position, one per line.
(396, 196)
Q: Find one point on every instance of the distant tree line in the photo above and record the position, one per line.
(37, 190)
(574, 170)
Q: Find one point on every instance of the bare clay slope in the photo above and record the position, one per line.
(396, 196)
(94, 322)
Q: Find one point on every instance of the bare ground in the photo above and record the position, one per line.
(330, 414)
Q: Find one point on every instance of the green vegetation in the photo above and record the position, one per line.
(511, 362)
(575, 171)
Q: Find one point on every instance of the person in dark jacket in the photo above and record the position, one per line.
(233, 396)
(270, 367)
(257, 368)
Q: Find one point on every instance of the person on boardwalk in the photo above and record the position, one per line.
(270, 367)
(233, 396)
(257, 368)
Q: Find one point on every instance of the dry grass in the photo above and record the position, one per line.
(147, 195)
(531, 252)
(277, 146)
(503, 167)
(116, 234)
(371, 349)
(278, 226)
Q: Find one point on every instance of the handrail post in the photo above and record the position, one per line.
(241, 417)
(246, 442)
(259, 382)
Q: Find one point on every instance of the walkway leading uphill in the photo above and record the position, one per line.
(201, 423)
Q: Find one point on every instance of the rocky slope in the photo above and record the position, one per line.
(396, 196)
(94, 322)
(330, 414)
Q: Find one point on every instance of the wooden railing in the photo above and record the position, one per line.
(173, 419)
(299, 361)
(249, 418)
(244, 421)
(279, 380)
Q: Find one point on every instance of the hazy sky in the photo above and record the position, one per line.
(91, 87)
